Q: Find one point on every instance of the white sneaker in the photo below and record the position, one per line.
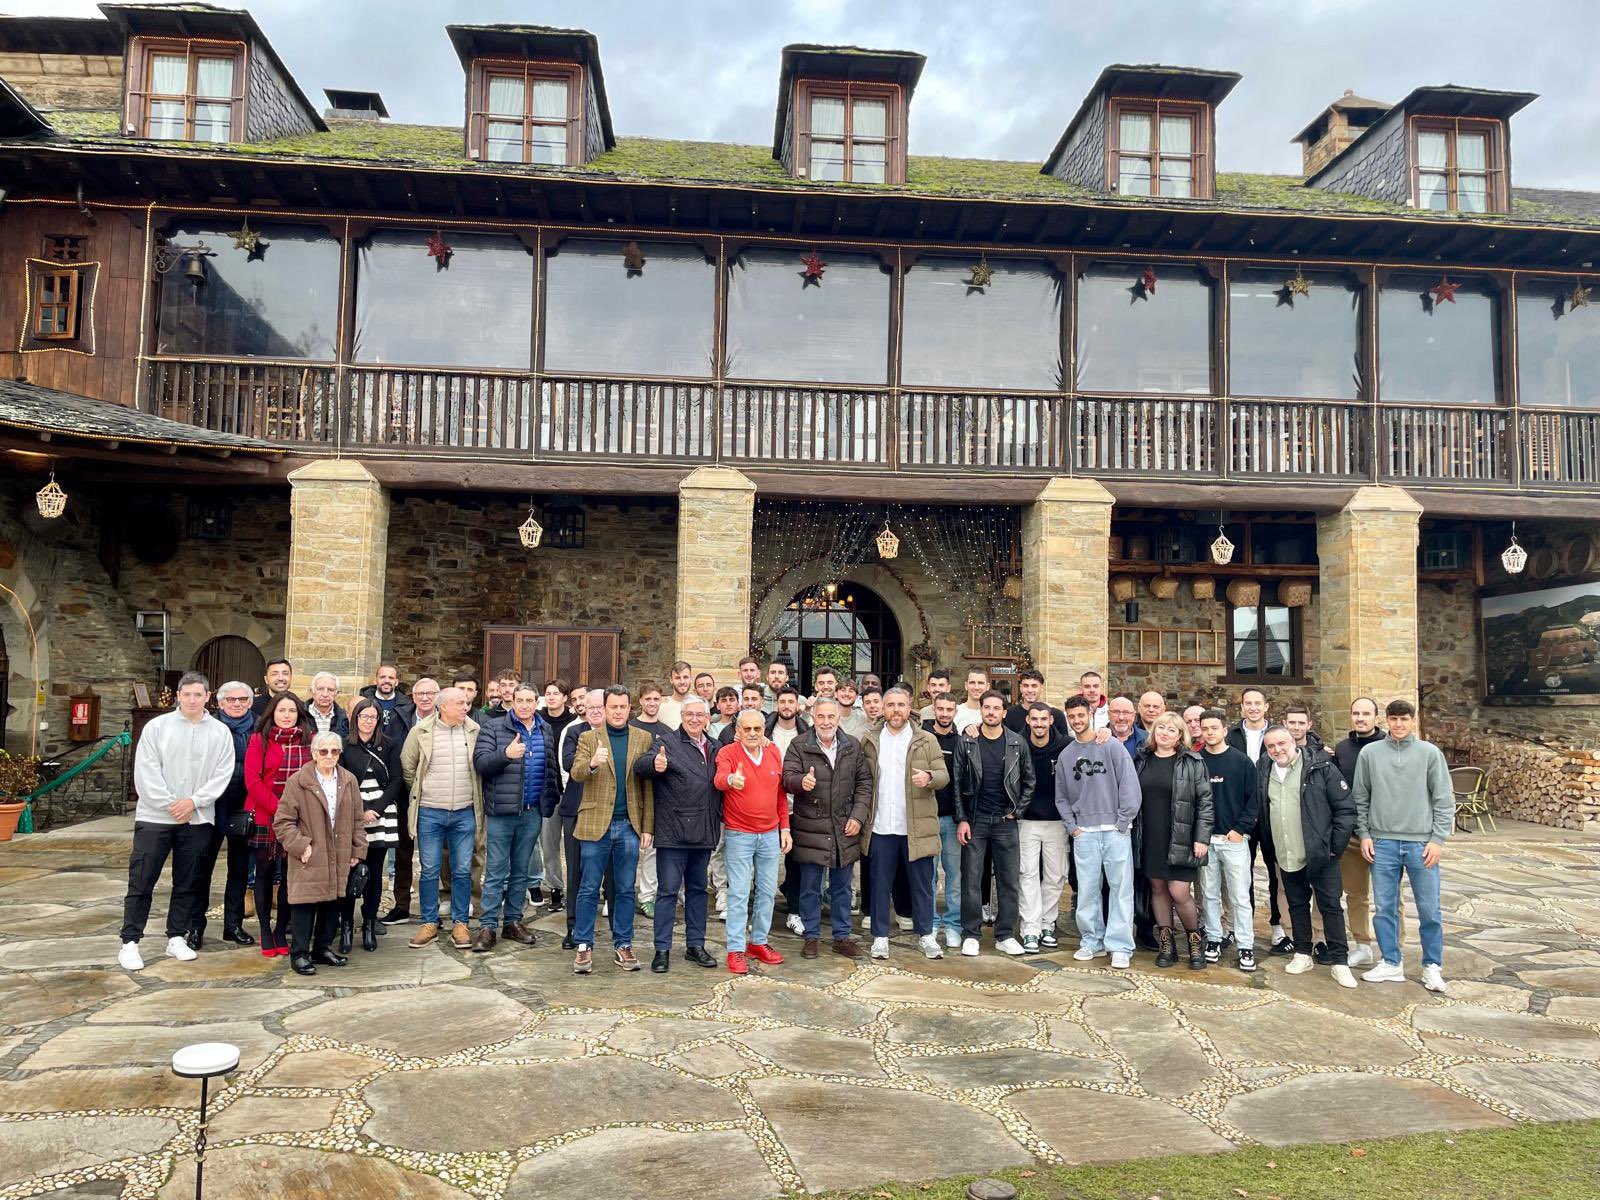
(1010, 946)
(722, 914)
(1433, 978)
(1343, 977)
(129, 958)
(1362, 955)
(952, 939)
(880, 947)
(1087, 953)
(930, 946)
(796, 925)
(988, 914)
(1121, 960)
(969, 948)
(866, 920)
(1299, 964)
(905, 923)
(179, 949)
(1386, 972)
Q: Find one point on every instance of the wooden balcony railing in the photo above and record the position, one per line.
(532, 416)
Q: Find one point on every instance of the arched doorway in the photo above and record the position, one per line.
(227, 658)
(843, 625)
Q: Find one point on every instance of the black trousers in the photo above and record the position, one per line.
(238, 864)
(685, 869)
(370, 898)
(891, 860)
(152, 843)
(1327, 884)
(272, 879)
(574, 851)
(312, 926)
(1261, 840)
(405, 855)
(899, 894)
(791, 883)
(994, 836)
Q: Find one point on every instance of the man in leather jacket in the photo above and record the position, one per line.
(994, 779)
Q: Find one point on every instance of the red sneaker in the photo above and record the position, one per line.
(765, 954)
(737, 963)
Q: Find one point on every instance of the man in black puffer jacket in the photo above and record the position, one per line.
(516, 758)
(1312, 815)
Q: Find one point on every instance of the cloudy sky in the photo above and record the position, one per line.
(1003, 76)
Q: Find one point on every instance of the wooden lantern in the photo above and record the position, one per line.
(1244, 593)
(1203, 587)
(1163, 587)
(1123, 588)
(1294, 593)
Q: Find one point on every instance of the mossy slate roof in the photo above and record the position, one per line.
(658, 160)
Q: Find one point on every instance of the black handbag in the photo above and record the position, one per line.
(356, 885)
(240, 824)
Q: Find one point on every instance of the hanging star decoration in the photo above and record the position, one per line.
(1444, 290)
(1144, 287)
(814, 267)
(633, 259)
(981, 277)
(251, 242)
(439, 250)
(1579, 297)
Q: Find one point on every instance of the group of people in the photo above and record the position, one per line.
(1155, 820)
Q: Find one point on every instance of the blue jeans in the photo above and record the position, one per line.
(752, 862)
(950, 861)
(620, 848)
(435, 828)
(839, 880)
(1106, 854)
(511, 842)
(1390, 858)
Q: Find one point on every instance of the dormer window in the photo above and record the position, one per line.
(851, 132)
(1158, 148)
(1457, 166)
(527, 112)
(187, 91)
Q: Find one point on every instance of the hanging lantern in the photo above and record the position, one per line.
(1222, 548)
(1513, 558)
(530, 531)
(52, 500)
(888, 543)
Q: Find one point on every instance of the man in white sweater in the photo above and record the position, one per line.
(183, 764)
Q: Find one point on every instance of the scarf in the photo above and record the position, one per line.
(241, 727)
(296, 754)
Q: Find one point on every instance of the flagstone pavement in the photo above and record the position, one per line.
(430, 1073)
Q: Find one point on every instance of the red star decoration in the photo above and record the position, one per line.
(814, 267)
(1444, 290)
(439, 249)
(1148, 280)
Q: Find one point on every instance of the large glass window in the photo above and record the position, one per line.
(1436, 341)
(1139, 333)
(787, 323)
(603, 315)
(282, 301)
(1558, 344)
(1294, 334)
(475, 312)
(959, 333)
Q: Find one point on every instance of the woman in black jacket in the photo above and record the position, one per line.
(1175, 822)
(375, 762)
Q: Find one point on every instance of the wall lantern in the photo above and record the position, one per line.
(888, 543)
(1513, 558)
(530, 531)
(1222, 548)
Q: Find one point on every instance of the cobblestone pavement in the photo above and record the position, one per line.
(431, 1073)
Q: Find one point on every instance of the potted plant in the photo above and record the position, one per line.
(18, 779)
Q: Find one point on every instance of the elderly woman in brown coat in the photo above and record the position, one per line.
(319, 825)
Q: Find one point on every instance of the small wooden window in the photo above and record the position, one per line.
(187, 91)
(1458, 166)
(66, 247)
(539, 653)
(849, 132)
(1160, 148)
(1264, 644)
(527, 112)
(57, 300)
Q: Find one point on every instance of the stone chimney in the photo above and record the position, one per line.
(1335, 127)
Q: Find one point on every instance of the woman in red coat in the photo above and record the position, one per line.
(279, 747)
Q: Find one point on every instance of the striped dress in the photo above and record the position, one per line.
(372, 769)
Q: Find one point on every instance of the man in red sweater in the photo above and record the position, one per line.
(755, 819)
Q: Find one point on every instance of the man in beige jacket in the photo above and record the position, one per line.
(446, 808)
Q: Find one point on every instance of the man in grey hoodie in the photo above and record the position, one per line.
(1405, 811)
(1097, 794)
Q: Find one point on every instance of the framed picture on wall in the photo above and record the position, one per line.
(1544, 642)
(141, 695)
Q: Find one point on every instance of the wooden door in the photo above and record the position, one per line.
(540, 653)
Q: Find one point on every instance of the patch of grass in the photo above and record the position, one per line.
(1547, 1162)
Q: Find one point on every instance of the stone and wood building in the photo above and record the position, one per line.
(302, 372)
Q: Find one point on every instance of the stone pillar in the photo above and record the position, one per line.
(1065, 552)
(338, 554)
(1367, 609)
(716, 515)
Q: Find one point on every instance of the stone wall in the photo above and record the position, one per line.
(456, 566)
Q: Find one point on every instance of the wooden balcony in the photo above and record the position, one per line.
(526, 416)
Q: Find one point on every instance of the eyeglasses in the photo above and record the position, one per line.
(329, 751)
(234, 700)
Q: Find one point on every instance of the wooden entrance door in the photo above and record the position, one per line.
(540, 653)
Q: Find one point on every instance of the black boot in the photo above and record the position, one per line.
(302, 965)
(1197, 950)
(369, 935)
(347, 934)
(1167, 951)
